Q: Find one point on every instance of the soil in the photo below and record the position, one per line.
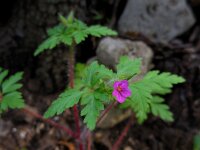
(23, 132)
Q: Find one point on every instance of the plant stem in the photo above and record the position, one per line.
(89, 142)
(106, 111)
(71, 63)
(122, 135)
(88, 134)
(51, 122)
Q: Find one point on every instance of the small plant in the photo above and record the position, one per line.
(10, 97)
(71, 32)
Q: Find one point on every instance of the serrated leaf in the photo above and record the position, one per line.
(161, 83)
(11, 84)
(66, 100)
(98, 31)
(158, 108)
(89, 74)
(105, 73)
(3, 75)
(49, 43)
(95, 72)
(139, 101)
(57, 30)
(12, 100)
(91, 110)
(66, 39)
(127, 67)
(80, 36)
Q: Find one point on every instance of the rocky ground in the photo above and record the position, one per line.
(164, 33)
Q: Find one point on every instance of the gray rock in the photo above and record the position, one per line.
(161, 20)
(110, 50)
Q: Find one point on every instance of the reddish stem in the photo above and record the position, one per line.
(51, 122)
(122, 135)
(71, 63)
(89, 142)
(106, 111)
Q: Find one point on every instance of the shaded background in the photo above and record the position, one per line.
(170, 28)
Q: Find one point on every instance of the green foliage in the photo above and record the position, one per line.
(139, 101)
(128, 68)
(95, 86)
(158, 108)
(10, 97)
(161, 83)
(196, 142)
(144, 99)
(71, 31)
(66, 100)
(91, 110)
(92, 96)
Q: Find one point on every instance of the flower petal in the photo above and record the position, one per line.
(126, 92)
(118, 96)
(124, 84)
(116, 84)
(115, 93)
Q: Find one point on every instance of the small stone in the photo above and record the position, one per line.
(110, 50)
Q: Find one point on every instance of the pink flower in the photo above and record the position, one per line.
(121, 90)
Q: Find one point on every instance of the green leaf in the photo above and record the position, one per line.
(91, 110)
(105, 73)
(80, 36)
(95, 72)
(11, 84)
(66, 39)
(139, 101)
(49, 43)
(90, 73)
(196, 142)
(79, 69)
(161, 83)
(3, 75)
(99, 31)
(56, 31)
(64, 20)
(12, 100)
(70, 17)
(159, 109)
(127, 67)
(66, 100)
